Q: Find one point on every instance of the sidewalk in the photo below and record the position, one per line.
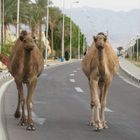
(130, 69)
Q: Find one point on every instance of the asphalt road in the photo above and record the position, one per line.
(61, 108)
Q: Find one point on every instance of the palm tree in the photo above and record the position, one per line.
(55, 15)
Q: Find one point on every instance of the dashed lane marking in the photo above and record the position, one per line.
(72, 74)
(78, 89)
(72, 80)
(75, 71)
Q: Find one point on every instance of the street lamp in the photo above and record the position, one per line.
(0, 26)
(78, 43)
(47, 30)
(62, 55)
(71, 29)
(137, 47)
(18, 4)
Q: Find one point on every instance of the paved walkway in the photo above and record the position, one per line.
(130, 69)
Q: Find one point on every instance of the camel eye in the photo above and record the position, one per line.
(24, 41)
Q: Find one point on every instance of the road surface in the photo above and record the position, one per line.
(61, 108)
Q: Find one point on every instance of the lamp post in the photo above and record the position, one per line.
(83, 43)
(0, 26)
(47, 30)
(62, 55)
(17, 31)
(78, 43)
(70, 32)
(71, 29)
(137, 47)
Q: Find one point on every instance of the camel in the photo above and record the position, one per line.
(25, 65)
(99, 65)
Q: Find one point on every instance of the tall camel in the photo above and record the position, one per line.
(100, 64)
(25, 65)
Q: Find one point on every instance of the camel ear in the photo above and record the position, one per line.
(21, 38)
(22, 35)
(105, 38)
(94, 38)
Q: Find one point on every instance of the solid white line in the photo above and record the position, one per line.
(2, 90)
(72, 80)
(127, 81)
(78, 89)
(72, 74)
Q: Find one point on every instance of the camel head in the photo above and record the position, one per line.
(28, 43)
(100, 40)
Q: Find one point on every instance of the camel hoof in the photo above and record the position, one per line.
(23, 122)
(91, 123)
(30, 127)
(105, 126)
(98, 126)
(97, 129)
(17, 114)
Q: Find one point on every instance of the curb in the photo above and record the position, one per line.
(130, 75)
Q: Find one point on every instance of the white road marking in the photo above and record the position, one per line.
(72, 80)
(78, 89)
(127, 81)
(108, 110)
(78, 68)
(2, 90)
(75, 71)
(72, 74)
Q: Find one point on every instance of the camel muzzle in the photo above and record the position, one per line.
(100, 47)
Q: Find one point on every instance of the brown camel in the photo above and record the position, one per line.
(25, 65)
(100, 64)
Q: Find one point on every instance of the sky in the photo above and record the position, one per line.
(115, 5)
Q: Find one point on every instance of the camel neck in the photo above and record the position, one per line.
(101, 55)
(101, 62)
(27, 57)
(27, 65)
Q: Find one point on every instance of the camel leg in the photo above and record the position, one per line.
(91, 122)
(21, 102)
(103, 103)
(95, 103)
(18, 113)
(31, 87)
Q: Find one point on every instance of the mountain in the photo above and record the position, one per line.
(121, 26)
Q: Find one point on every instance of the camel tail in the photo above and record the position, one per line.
(4, 59)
